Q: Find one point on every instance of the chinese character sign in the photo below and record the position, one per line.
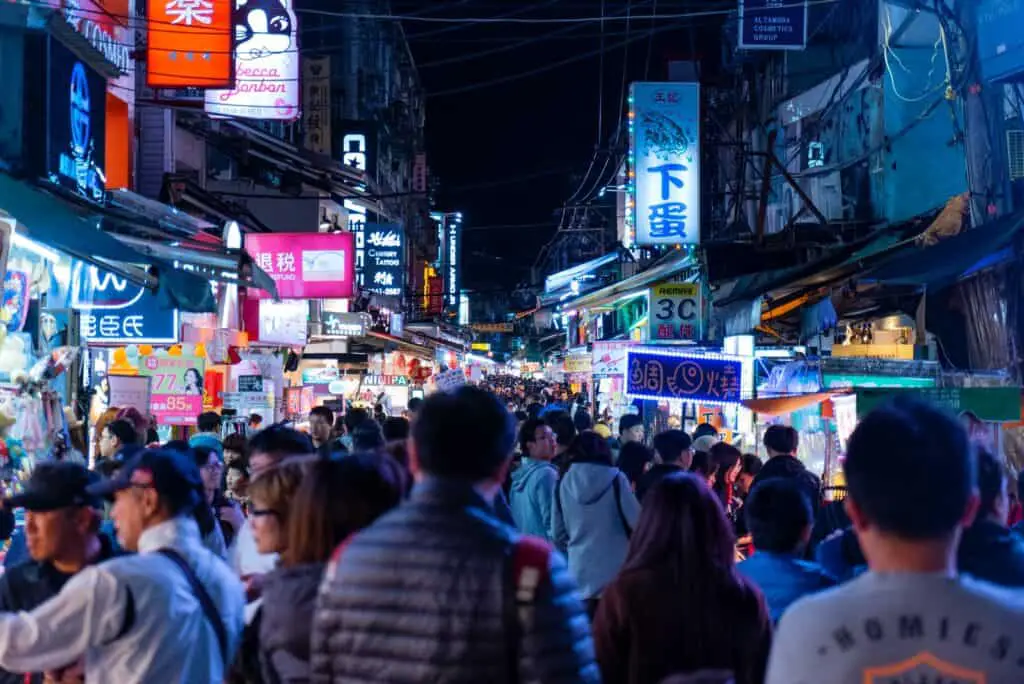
(658, 375)
(675, 312)
(665, 162)
(304, 265)
(266, 63)
(189, 44)
(176, 389)
(116, 311)
(773, 24)
(384, 265)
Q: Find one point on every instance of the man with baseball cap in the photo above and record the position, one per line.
(170, 613)
(62, 524)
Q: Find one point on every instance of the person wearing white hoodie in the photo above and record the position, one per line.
(595, 513)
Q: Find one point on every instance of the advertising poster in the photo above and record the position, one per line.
(664, 146)
(176, 390)
(609, 358)
(304, 265)
(266, 63)
(384, 266)
(76, 124)
(130, 391)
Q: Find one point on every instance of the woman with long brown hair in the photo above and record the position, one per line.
(678, 605)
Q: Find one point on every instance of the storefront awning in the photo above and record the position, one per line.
(672, 265)
(49, 219)
(952, 258)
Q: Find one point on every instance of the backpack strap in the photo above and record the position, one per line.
(617, 487)
(205, 601)
(530, 564)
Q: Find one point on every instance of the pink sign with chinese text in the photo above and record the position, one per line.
(304, 265)
(176, 388)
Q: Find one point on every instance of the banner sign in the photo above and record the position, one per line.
(675, 312)
(704, 378)
(989, 404)
(266, 48)
(384, 265)
(452, 259)
(773, 24)
(177, 389)
(316, 104)
(609, 358)
(188, 43)
(104, 25)
(344, 324)
(117, 312)
(304, 265)
(664, 152)
(129, 391)
(577, 363)
(506, 327)
(76, 124)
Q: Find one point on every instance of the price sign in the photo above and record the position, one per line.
(177, 388)
(129, 391)
(675, 312)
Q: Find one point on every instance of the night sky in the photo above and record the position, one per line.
(512, 153)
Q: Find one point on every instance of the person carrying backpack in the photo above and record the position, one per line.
(440, 589)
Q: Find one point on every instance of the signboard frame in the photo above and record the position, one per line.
(779, 8)
(704, 378)
(677, 308)
(125, 391)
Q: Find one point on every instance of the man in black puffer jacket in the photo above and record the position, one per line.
(440, 589)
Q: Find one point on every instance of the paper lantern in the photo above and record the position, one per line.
(120, 356)
(145, 349)
(175, 350)
(201, 350)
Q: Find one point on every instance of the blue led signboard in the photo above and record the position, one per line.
(705, 378)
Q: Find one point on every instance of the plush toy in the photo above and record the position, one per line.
(12, 453)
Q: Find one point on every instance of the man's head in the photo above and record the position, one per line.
(466, 434)
(413, 407)
(116, 435)
(994, 500)
(209, 421)
(564, 429)
(537, 440)
(353, 417)
(396, 429)
(705, 430)
(674, 446)
(779, 516)
(255, 421)
(781, 440)
(368, 436)
(748, 471)
(321, 424)
(61, 517)
(236, 448)
(631, 428)
(911, 477)
(155, 486)
(272, 445)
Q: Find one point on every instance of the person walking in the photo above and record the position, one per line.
(595, 513)
(679, 606)
(62, 523)
(674, 451)
(439, 589)
(989, 550)
(911, 490)
(532, 494)
(172, 612)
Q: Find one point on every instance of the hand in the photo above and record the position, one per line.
(253, 587)
(70, 674)
(233, 516)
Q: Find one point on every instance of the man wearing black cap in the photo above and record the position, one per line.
(62, 532)
(170, 613)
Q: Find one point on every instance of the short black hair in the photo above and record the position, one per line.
(355, 416)
(704, 430)
(582, 420)
(629, 421)
(910, 468)
(778, 515)
(208, 421)
(237, 442)
(671, 444)
(991, 478)
(521, 416)
(527, 433)
(395, 428)
(564, 427)
(414, 405)
(255, 419)
(752, 465)
(124, 430)
(467, 433)
(323, 412)
(781, 439)
(280, 441)
(368, 436)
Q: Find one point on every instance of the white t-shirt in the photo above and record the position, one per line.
(896, 628)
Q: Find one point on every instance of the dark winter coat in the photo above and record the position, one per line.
(426, 594)
(993, 553)
(286, 624)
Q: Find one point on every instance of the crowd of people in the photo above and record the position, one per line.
(504, 536)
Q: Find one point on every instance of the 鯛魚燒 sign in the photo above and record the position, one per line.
(669, 375)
